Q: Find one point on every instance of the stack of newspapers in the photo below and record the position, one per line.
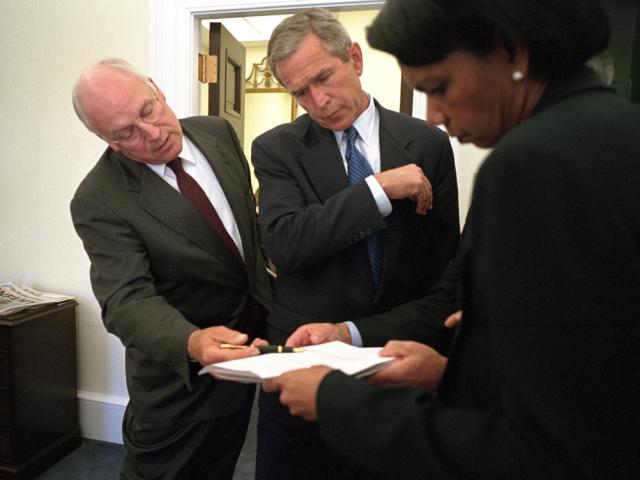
(17, 298)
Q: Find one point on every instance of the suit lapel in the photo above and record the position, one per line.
(175, 211)
(169, 207)
(325, 170)
(322, 162)
(326, 174)
(393, 142)
(231, 179)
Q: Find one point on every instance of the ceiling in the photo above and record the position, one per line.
(249, 29)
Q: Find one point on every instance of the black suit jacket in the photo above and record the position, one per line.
(159, 272)
(544, 377)
(314, 223)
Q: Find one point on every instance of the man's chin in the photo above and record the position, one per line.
(168, 152)
(336, 125)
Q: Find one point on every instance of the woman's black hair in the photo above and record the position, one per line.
(560, 35)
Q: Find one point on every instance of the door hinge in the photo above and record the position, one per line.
(207, 68)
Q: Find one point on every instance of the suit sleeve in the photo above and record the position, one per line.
(405, 433)
(299, 231)
(247, 172)
(421, 320)
(123, 284)
(561, 338)
(435, 156)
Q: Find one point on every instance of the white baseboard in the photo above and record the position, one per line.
(101, 416)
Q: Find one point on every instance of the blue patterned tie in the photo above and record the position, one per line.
(358, 168)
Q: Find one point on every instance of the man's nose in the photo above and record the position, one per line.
(148, 130)
(319, 96)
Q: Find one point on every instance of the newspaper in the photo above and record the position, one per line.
(16, 298)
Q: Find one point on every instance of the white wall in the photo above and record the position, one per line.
(45, 154)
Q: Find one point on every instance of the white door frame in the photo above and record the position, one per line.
(174, 30)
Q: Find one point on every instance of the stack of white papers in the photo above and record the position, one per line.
(355, 361)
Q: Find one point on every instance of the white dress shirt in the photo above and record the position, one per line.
(196, 165)
(368, 142)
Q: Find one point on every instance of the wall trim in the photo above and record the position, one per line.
(101, 416)
(174, 32)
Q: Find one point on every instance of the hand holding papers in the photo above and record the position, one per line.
(355, 361)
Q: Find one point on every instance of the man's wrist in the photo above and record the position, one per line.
(190, 340)
(345, 335)
(379, 196)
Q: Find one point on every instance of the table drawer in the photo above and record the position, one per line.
(4, 371)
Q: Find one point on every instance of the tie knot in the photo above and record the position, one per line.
(351, 134)
(175, 165)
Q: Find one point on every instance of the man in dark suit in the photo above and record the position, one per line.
(319, 223)
(543, 378)
(171, 286)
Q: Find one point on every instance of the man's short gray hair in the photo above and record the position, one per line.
(287, 36)
(85, 78)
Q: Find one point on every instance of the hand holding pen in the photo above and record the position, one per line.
(203, 345)
(263, 348)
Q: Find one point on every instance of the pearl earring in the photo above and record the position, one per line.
(517, 76)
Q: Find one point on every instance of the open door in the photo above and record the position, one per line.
(226, 95)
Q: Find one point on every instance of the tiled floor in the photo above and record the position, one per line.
(95, 460)
(92, 460)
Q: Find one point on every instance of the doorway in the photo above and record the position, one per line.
(267, 108)
(175, 42)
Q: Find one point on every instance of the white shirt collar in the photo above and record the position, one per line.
(364, 124)
(186, 154)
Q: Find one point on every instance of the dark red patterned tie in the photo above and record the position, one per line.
(191, 190)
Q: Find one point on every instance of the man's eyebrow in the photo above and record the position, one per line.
(146, 103)
(325, 71)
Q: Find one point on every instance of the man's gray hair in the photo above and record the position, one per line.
(85, 78)
(287, 36)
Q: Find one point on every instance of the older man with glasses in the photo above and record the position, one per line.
(167, 217)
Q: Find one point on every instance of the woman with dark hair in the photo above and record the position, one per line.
(543, 380)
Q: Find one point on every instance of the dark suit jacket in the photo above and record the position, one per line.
(314, 223)
(160, 272)
(421, 320)
(544, 377)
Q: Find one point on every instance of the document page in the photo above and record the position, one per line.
(351, 360)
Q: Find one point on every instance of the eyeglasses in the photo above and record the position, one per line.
(132, 134)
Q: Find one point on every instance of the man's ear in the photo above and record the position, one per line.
(112, 145)
(355, 55)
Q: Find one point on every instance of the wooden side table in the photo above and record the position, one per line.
(38, 389)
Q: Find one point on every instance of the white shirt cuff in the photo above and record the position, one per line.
(356, 338)
(381, 199)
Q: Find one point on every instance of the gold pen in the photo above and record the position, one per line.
(264, 348)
